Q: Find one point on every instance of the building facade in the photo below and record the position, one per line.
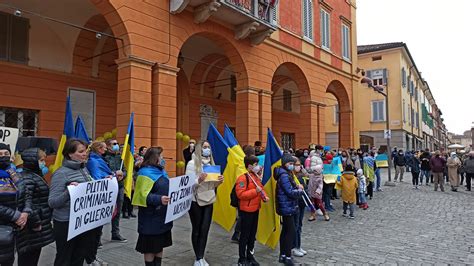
(414, 119)
(179, 65)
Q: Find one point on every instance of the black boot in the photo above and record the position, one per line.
(289, 262)
(149, 263)
(282, 259)
(157, 261)
(251, 261)
(242, 262)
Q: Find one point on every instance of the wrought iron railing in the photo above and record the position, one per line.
(261, 9)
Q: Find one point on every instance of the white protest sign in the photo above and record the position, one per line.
(92, 205)
(181, 196)
(9, 136)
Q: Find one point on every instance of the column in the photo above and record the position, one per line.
(308, 125)
(345, 129)
(134, 95)
(164, 112)
(265, 114)
(247, 115)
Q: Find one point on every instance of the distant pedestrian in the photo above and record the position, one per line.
(469, 169)
(188, 152)
(300, 175)
(414, 164)
(425, 167)
(349, 186)
(437, 164)
(315, 191)
(362, 189)
(453, 164)
(400, 163)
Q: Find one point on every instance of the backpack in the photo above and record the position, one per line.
(234, 200)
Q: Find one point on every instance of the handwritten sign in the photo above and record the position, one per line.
(92, 205)
(9, 136)
(181, 196)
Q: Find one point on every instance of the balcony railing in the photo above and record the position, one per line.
(260, 9)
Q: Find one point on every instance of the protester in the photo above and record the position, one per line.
(314, 158)
(369, 172)
(414, 164)
(259, 150)
(300, 175)
(188, 152)
(37, 234)
(400, 164)
(362, 189)
(203, 198)
(250, 192)
(315, 191)
(287, 195)
(349, 187)
(453, 165)
(71, 173)
(425, 167)
(328, 186)
(468, 166)
(346, 160)
(151, 196)
(437, 164)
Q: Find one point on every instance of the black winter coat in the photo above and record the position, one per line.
(38, 190)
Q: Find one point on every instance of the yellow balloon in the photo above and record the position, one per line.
(100, 139)
(107, 135)
(180, 164)
(179, 135)
(114, 133)
(186, 138)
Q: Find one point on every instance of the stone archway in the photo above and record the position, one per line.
(345, 124)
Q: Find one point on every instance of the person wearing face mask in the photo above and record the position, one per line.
(152, 198)
(287, 195)
(468, 166)
(188, 152)
(250, 192)
(113, 158)
(437, 164)
(315, 191)
(71, 173)
(204, 197)
(15, 210)
(300, 174)
(38, 231)
(400, 163)
(453, 164)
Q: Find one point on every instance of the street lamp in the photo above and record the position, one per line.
(381, 90)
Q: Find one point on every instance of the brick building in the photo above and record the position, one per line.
(179, 65)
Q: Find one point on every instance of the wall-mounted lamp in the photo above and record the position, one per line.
(17, 13)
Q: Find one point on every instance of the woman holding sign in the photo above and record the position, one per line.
(71, 173)
(203, 199)
(151, 195)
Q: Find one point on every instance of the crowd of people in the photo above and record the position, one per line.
(34, 213)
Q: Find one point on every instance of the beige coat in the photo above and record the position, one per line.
(453, 165)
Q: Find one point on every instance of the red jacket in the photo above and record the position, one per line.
(247, 193)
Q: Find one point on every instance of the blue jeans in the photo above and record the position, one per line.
(298, 219)
(351, 207)
(378, 179)
(362, 198)
(425, 173)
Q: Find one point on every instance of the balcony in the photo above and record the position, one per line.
(252, 19)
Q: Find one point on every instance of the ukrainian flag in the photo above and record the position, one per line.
(232, 142)
(147, 176)
(80, 131)
(68, 132)
(369, 170)
(127, 158)
(268, 231)
(232, 166)
(381, 160)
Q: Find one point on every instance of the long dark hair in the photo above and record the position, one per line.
(152, 157)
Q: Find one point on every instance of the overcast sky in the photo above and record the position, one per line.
(440, 37)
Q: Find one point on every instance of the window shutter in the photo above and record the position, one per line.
(374, 111)
(369, 74)
(321, 25)
(19, 39)
(385, 77)
(305, 19)
(404, 77)
(273, 15)
(309, 18)
(381, 111)
(3, 35)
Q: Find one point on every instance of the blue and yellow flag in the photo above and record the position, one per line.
(147, 176)
(369, 170)
(80, 131)
(268, 231)
(381, 160)
(68, 132)
(232, 141)
(128, 159)
(232, 166)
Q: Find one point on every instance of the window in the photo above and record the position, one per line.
(377, 58)
(14, 33)
(346, 48)
(416, 94)
(413, 117)
(287, 100)
(404, 112)
(378, 76)
(417, 119)
(404, 78)
(308, 19)
(325, 29)
(412, 87)
(287, 141)
(24, 119)
(336, 114)
(83, 103)
(378, 111)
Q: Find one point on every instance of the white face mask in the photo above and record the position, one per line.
(298, 168)
(191, 145)
(256, 169)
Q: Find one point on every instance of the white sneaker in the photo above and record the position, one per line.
(319, 212)
(204, 262)
(198, 263)
(296, 253)
(303, 251)
(98, 262)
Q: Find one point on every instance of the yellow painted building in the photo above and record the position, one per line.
(410, 101)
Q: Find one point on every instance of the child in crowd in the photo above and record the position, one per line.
(315, 191)
(300, 174)
(349, 187)
(362, 189)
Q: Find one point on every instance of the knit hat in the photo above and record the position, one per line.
(4, 146)
(287, 158)
(360, 172)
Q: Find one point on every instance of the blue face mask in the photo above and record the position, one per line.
(206, 152)
(291, 167)
(115, 148)
(44, 169)
(162, 163)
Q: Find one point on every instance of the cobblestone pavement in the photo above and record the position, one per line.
(402, 226)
